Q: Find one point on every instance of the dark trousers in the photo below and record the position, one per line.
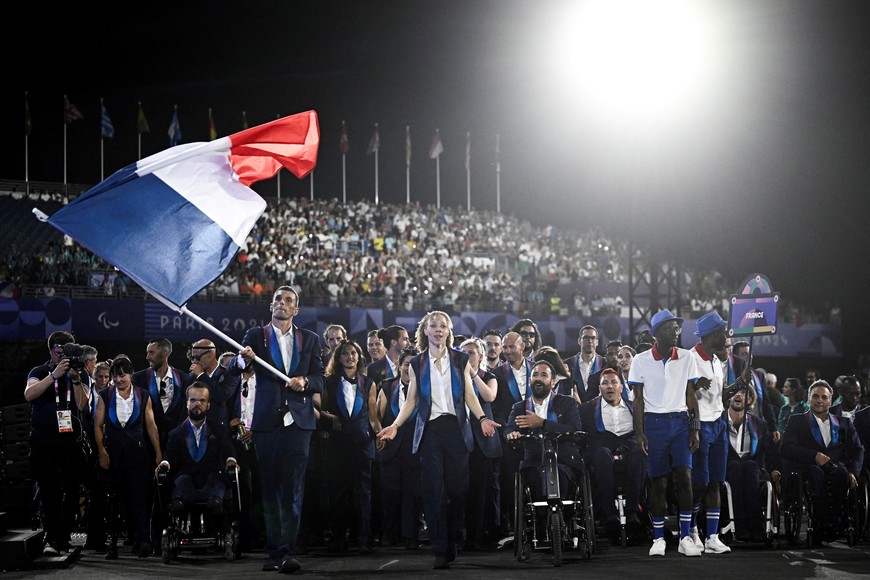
(58, 464)
(444, 465)
(481, 516)
(744, 477)
(827, 510)
(283, 455)
(315, 506)
(400, 494)
(129, 479)
(252, 530)
(631, 479)
(350, 493)
(510, 464)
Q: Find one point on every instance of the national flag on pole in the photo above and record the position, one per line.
(28, 123)
(70, 112)
(467, 151)
(343, 145)
(244, 119)
(142, 122)
(174, 129)
(212, 132)
(107, 130)
(407, 146)
(193, 201)
(375, 142)
(437, 148)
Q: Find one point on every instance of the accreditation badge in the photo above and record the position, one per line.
(64, 421)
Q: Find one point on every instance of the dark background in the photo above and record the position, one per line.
(768, 174)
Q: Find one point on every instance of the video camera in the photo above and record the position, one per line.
(75, 354)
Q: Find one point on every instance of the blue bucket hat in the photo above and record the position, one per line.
(660, 318)
(710, 323)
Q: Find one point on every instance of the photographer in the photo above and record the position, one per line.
(57, 455)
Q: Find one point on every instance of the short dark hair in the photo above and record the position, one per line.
(616, 343)
(60, 337)
(121, 366)
(492, 332)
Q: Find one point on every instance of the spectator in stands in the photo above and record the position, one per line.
(585, 363)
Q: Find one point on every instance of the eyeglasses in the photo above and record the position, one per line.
(588, 338)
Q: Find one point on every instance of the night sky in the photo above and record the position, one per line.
(766, 171)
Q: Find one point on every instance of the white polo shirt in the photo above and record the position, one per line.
(664, 380)
(709, 400)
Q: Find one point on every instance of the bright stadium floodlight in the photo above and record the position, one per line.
(632, 59)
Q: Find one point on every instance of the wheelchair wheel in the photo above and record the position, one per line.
(554, 524)
(169, 545)
(793, 509)
(522, 533)
(588, 515)
(770, 505)
(231, 543)
(852, 516)
(863, 503)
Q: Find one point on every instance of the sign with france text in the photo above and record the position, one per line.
(753, 310)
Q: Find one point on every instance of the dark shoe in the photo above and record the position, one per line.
(441, 563)
(271, 565)
(112, 554)
(289, 565)
(411, 544)
(145, 550)
(451, 552)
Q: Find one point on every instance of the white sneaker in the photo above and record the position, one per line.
(715, 545)
(50, 550)
(688, 547)
(658, 547)
(696, 538)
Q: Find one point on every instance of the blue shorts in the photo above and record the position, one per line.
(667, 437)
(711, 459)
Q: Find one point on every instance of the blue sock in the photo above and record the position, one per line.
(713, 521)
(658, 527)
(685, 523)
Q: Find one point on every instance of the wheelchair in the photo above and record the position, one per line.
(558, 522)
(797, 505)
(770, 512)
(198, 529)
(864, 504)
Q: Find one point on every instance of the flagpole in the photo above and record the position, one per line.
(408, 164)
(438, 181)
(278, 116)
(344, 178)
(26, 143)
(376, 176)
(209, 326)
(64, 146)
(312, 185)
(497, 177)
(102, 145)
(468, 167)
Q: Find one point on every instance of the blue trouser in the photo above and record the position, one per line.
(444, 465)
(283, 457)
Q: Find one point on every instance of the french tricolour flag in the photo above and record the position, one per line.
(174, 221)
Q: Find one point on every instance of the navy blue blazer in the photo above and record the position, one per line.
(862, 425)
(221, 387)
(177, 411)
(598, 436)
(803, 439)
(420, 365)
(573, 364)
(562, 417)
(489, 446)
(508, 393)
(356, 432)
(179, 451)
(273, 399)
(405, 432)
(756, 436)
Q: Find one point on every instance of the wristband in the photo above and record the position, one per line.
(483, 418)
(694, 425)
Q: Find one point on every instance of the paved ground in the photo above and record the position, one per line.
(835, 560)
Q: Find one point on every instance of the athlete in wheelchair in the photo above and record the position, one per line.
(750, 504)
(553, 497)
(199, 465)
(824, 457)
(617, 463)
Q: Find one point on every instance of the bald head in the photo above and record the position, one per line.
(513, 346)
(204, 353)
